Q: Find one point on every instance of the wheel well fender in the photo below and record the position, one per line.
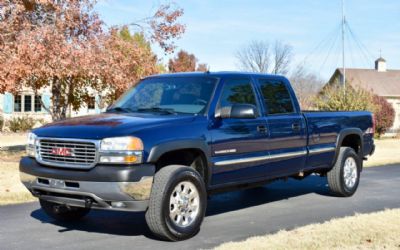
(350, 137)
(191, 144)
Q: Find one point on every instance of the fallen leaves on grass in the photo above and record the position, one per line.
(379, 230)
(11, 188)
(14, 198)
(11, 156)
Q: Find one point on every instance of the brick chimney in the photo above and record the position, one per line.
(380, 65)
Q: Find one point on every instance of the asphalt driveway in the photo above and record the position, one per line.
(230, 217)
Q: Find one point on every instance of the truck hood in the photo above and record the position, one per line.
(107, 125)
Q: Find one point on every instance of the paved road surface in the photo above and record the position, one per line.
(230, 217)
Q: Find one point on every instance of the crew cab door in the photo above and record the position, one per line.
(239, 150)
(287, 134)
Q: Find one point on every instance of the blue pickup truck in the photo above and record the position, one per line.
(173, 139)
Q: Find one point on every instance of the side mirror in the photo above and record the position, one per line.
(238, 111)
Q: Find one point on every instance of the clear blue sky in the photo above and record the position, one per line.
(217, 29)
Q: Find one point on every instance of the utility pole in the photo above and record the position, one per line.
(343, 49)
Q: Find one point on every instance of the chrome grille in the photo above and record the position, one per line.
(67, 153)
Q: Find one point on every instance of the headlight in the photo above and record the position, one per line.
(30, 147)
(121, 150)
(121, 143)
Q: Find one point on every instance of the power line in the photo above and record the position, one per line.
(363, 55)
(350, 44)
(329, 53)
(343, 43)
(337, 58)
(350, 49)
(331, 35)
(360, 44)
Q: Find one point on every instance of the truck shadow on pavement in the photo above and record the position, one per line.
(105, 222)
(133, 223)
(273, 192)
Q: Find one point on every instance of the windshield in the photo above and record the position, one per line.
(169, 95)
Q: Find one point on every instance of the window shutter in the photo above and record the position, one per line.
(96, 104)
(8, 103)
(46, 99)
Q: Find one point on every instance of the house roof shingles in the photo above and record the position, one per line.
(385, 83)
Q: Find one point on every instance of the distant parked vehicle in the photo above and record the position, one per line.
(173, 139)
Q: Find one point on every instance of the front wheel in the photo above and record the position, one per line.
(344, 177)
(63, 212)
(177, 203)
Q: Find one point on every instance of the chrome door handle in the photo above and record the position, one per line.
(296, 126)
(262, 128)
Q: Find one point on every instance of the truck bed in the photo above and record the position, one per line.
(324, 127)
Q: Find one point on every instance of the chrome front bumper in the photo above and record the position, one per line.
(128, 196)
(116, 187)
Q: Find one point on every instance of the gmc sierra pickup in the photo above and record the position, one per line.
(173, 139)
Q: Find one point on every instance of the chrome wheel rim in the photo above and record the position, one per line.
(184, 204)
(350, 172)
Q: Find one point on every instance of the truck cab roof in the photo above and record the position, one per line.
(217, 74)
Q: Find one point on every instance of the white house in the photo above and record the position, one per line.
(26, 103)
(381, 81)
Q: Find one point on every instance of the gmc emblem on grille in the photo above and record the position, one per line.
(61, 151)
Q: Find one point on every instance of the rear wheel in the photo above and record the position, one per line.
(177, 203)
(63, 212)
(344, 177)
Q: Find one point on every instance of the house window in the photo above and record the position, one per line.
(17, 103)
(27, 103)
(38, 104)
(91, 103)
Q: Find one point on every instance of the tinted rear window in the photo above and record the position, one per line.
(237, 91)
(276, 97)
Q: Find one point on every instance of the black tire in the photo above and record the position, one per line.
(336, 179)
(158, 214)
(63, 212)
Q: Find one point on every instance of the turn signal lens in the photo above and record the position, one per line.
(135, 144)
(131, 159)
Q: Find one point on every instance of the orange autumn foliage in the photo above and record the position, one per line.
(62, 45)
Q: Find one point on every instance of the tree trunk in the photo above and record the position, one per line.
(59, 102)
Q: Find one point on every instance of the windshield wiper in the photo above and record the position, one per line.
(121, 109)
(157, 109)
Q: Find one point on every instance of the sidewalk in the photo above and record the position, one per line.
(387, 152)
(17, 140)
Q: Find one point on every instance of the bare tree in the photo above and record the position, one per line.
(306, 85)
(258, 56)
(254, 57)
(282, 57)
